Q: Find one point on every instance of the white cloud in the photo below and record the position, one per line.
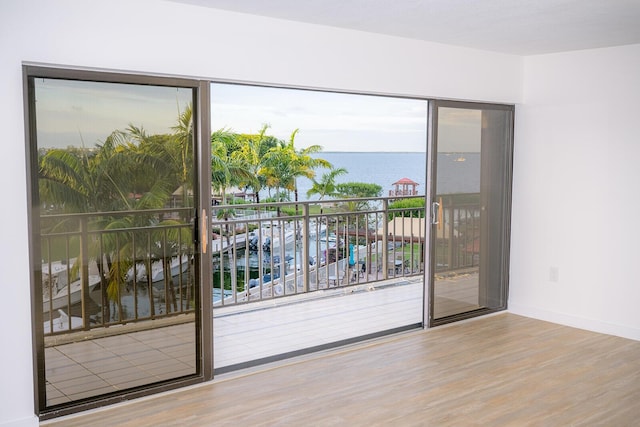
(85, 113)
(338, 122)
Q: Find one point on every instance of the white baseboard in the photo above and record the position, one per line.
(31, 421)
(576, 322)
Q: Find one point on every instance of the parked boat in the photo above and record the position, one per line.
(179, 265)
(316, 229)
(330, 238)
(270, 239)
(55, 271)
(61, 323)
(219, 294)
(57, 294)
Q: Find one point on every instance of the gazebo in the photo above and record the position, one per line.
(404, 187)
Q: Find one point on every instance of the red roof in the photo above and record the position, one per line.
(405, 181)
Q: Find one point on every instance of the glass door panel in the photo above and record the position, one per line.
(115, 278)
(471, 190)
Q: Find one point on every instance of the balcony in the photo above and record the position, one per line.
(288, 279)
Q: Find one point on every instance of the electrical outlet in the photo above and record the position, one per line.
(553, 274)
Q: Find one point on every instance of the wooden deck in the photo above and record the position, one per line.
(500, 370)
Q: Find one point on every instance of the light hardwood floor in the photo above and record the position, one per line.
(501, 370)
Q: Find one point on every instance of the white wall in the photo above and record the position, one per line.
(575, 199)
(163, 37)
(576, 148)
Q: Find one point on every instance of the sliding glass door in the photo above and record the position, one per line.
(115, 266)
(470, 205)
(163, 252)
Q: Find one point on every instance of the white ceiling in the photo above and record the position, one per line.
(521, 27)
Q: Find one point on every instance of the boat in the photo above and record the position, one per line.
(219, 295)
(316, 229)
(179, 265)
(330, 239)
(272, 239)
(55, 271)
(57, 294)
(61, 323)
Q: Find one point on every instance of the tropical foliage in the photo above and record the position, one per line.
(132, 172)
(359, 189)
(326, 187)
(284, 164)
(413, 207)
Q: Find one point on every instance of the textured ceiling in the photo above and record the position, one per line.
(521, 27)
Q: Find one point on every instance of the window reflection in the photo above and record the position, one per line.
(115, 180)
(473, 148)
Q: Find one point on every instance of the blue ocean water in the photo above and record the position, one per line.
(457, 172)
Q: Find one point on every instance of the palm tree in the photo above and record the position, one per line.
(176, 150)
(285, 164)
(251, 153)
(84, 180)
(227, 170)
(165, 240)
(305, 164)
(173, 240)
(278, 170)
(327, 184)
(104, 179)
(183, 138)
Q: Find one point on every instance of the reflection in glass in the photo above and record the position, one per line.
(115, 191)
(471, 192)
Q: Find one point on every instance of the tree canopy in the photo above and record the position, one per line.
(358, 189)
(326, 187)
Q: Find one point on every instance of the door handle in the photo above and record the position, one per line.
(435, 207)
(205, 231)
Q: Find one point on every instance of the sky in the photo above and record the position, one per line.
(74, 113)
(335, 121)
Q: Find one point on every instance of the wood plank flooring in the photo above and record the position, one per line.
(501, 370)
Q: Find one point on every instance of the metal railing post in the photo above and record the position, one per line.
(385, 242)
(305, 249)
(84, 256)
